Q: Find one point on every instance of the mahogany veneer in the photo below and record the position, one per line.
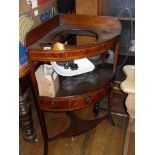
(106, 30)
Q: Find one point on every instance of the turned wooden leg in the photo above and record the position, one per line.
(130, 104)
(25, 118)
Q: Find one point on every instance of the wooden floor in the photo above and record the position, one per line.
(102, 140)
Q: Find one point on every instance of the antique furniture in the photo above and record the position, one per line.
(105, 31)
(25, 113)
(128, 86)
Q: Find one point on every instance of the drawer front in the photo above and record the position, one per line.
(99, 95)
(80, 102)
(72, 103)
(85, 100)
(54, 105)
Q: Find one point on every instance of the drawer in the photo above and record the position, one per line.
(96, 97)
(80, 102)
(85, 100)
(72, 103)
(54, 104)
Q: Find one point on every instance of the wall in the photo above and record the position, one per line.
(43, 6)
(36, 11)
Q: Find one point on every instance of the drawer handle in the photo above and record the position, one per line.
(88, 99)
(52, 102)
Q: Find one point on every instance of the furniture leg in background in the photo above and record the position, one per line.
(128, 86)
(25, 111)
(131, 124)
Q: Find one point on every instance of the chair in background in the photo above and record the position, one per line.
(128, 86)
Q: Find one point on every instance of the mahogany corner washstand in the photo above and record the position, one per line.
(106, 31)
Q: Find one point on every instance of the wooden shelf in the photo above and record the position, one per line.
(85, 87)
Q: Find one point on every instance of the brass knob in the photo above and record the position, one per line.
(88, 99)
(52, 102)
